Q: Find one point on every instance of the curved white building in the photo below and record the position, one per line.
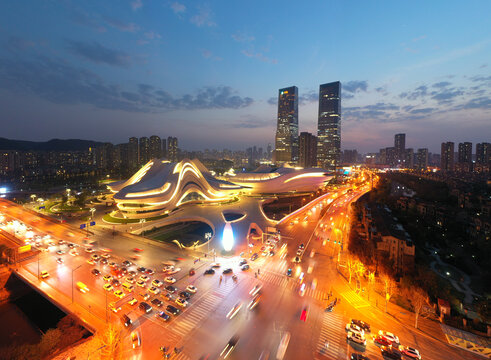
(160, 186)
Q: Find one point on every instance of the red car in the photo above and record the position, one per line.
(304, 314)
(380, 340)
(137, 250)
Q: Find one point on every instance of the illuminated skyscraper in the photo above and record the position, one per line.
(172, 148)
(400, 148)
(329, 126)
(155, 147)
(447, 157)
(133, 153)
(144, 150)
(286, 149)
(308, 150)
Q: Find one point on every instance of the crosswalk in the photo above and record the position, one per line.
(354, 299)
(205, 306)
(332, 333)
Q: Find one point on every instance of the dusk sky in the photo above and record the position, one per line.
(209, 72)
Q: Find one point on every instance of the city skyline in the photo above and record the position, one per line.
(120, 71)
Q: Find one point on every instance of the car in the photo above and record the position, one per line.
(296, 259)
(232, 343)
(60, 252)
(172, 310)
(162, 315)
(209, 272)
(154, 290)
(304, 314)
(289, 272)
(363, 325)
(168, 268)
(71, 246)
(141, 269)
(90, 261)
(141, 283)
(107, 278)
(354, 328)
(235, 309)
(105, 256)
(145, 296)
(103, 261)
(115, 283)
(171, 289)
(411, 352)
(132, 273)
(145, 307)
(59, 261)
(254, 256)
(126, 263)
(254, 302)
(169, 279)
(243, 262)
(380, 340)
(157, 302)
(192, 272)
(191, 288)
(181, 302)
(358, 357)
(126, 320)
(167, 296)
(144, 278)
(108, 287)
(265, 253)
(73, 252)
(215, 265)
(255, 290)
(89, 250)
(119, 294)
(95, 272)
(44, 274)
(123, 270)
(135, 339)
(185, 295)
(227, 271)
(157, 283)
(172, 272)
(150, 271)
(245, 267)
(133, 302)
(299, 252)
(389, 336)
(390, 353)
(130, 279)
(356, 338)
(95, 257)
(137, 249)
(301, 246)
(271, 253)
(113, 265)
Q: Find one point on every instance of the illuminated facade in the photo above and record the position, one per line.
(286, 149)
(329, 126)
(161, 186)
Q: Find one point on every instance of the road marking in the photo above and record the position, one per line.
(354, 299)
(331, 329)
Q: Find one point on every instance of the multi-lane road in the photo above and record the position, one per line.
(290, 307)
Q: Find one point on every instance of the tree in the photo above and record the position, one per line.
(483, 308)
(112, 342)
(350, 266)
(418, 298)
(389, 287)
(49, 341)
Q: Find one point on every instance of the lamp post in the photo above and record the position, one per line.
(72, 278)
(208, 237)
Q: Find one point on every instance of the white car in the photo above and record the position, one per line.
(168, 268)
(411, 352)
(191, 288)
(354, 329)
(234, 310)
(357, 338)
(389, 337)
(174, 271)
(169, 280)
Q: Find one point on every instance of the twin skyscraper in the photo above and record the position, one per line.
(325, 151)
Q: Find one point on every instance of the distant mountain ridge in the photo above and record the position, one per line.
(51, 145)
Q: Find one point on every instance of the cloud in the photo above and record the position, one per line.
(423, 111)
(84, 19)
(309, 97)
(15, 44)
(351, 87)
(446, 96)
(416, 39)
(483, 102)
(98, 53)
(272, 101)
(252, 122)
(207, 54)
(152, 35)
(61, 83)
(203, 18)
(120, 25)
(136, 4)
(442, 84)
(178, 8)
(242, 37)
(259, 56)
(419, 92)
(483, 66)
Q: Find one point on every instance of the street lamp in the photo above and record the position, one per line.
(208, 238)
(72, 278)
(92, 211)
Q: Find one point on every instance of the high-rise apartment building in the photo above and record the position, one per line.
(422, 159)
(155, 147)
(164, 148)
(483, 154)
(307, 150)
(465, 153)
(400, 148)
(447, 156)
(329, 125)
(350, 157)
(133, 150)
(144, 150)
(408, 161)
(172, 148)
(286, 142)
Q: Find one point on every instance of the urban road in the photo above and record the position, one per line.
(289, 308)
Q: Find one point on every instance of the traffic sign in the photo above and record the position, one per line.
(82, 226)
(92, 223)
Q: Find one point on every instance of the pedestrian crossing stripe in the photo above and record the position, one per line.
(332, 325)
(354, 299)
